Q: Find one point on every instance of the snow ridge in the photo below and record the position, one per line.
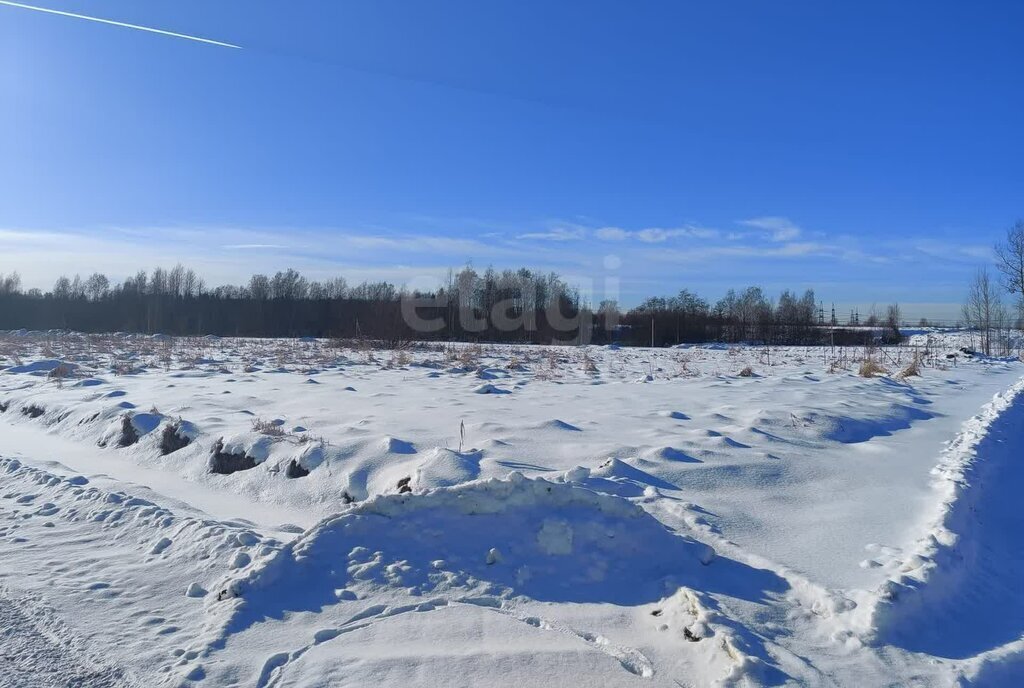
(935, 567)
(150, 571)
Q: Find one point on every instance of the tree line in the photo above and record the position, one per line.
(493, 305)
(984, 310)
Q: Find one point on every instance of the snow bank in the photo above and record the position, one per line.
(503, 545)
(935, 567)
(150, 575)
(506, 538)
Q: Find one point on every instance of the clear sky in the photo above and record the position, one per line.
(871, 150)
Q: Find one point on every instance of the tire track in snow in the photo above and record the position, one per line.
(37, 652)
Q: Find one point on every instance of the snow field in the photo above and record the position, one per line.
(510, 515)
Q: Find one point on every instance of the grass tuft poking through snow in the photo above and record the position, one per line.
(871, 368)
(913, 369)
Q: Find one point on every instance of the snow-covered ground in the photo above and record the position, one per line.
(294, 513)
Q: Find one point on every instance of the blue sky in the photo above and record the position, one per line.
(871, 150)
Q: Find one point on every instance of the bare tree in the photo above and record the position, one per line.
(62, 288)
(158, 282)
(97, 286)
(10, 284)
(336, 288)
(259, 287)
(984, 311)
(1010, 261)
(175, 280)
(77, 288)
(872, 320)
(893, 316)
(191, 284)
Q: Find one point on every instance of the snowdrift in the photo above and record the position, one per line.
(516, 537)
(116, 555)
(510, 547)
(977, 480)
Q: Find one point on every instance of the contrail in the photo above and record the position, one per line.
(124, 24)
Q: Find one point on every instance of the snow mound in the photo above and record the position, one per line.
(444, 468)
(730, 652)
(508, 538)
(393, 445)
(128, 428)
(251, 444)
(670, 454)
(620, 478)
(558, 424)
(489, 389)
(311, 456)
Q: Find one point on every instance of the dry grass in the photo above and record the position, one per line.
(307, 438)
(61, 373)
(747, 372)
(124, 368)
(913, 369)
(268, 427)
(469, 357)
(399, 359)
(871, 368)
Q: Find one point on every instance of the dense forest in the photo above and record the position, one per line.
(496, 306)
